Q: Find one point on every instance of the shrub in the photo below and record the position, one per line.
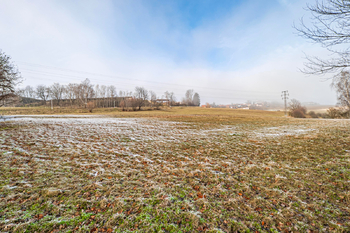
(296, 110)
(322, 115)
(90, 106)
(297, 113)
(313, 114)
(338, 113)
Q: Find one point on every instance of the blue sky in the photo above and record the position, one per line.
(227, 51)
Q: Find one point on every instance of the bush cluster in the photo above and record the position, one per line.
(298, 112)
(332, 113)
(335, 113)
(312, 114)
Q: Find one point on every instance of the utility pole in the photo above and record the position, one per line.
(285, 95)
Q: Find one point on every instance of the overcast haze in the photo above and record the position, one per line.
(227, 51)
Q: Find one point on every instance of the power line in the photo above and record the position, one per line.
(121, 84)
(118, 77)
(233, 95)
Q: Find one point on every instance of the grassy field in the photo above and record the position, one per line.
(118, 112)
(174, 170)
(183, 114)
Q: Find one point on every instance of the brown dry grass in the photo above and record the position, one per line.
(179, 170)
(176, 111)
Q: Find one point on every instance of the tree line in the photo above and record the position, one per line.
(90, 96)
(82, 94)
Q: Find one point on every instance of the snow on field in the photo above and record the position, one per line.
(78, 133)
(140, 158)
(283, 131)
(97, 141)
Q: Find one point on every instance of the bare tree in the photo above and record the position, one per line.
(341, 84)
(42, 92)
(19, 92)
(153, 97)
(70, 92)
(125, 95)
(296, 110)
(103, 91)
(172, 98)
(90, 106)
(85, 91)
(123, 105)
(196, 99)
(294, 104)
(77, 94)
(103, 94)
(111, 93)
(330, 28)
(97, 91)
(57, 92)
(133, 102)
(188, 97)
(9, 78)
(141, 95)
(29, 92)
(98, 94)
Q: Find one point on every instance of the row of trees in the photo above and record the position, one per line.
(85, 94)
(191, 98)
(73, 94)
(329, 27)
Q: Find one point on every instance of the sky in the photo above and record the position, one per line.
(229, 51)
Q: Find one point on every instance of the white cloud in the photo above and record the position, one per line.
(130, 40)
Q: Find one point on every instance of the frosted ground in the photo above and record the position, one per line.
(81, 173)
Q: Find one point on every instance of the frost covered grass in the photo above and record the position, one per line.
(175, 172)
